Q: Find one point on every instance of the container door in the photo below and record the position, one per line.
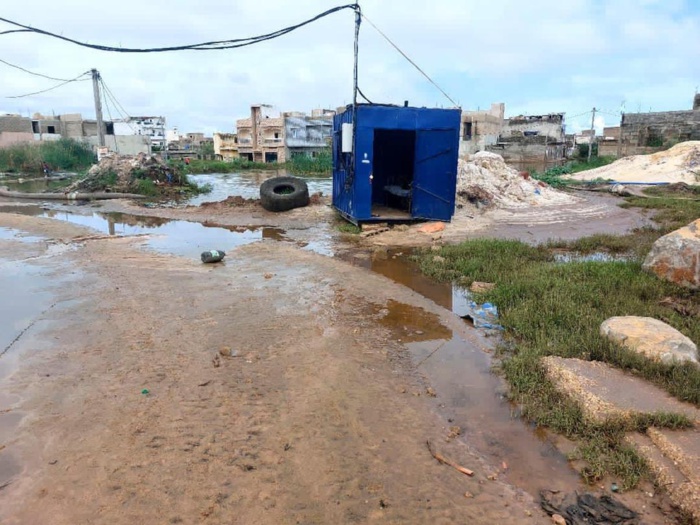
(435, 174)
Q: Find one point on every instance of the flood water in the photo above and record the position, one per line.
(247, 184)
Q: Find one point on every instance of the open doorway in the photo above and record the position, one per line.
(392, 182)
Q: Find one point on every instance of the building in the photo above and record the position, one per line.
(15, 129)
(480, 128)
(647, 132)
(268, 136)
(261, 137)
(44, 128)
(226, 146)
(305, 135)
(532, 141)
(151, 127)
(395, 163)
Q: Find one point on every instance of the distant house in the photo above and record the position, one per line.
(479, 129)
(267, 136)
(15, 128)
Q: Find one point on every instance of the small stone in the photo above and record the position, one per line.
(430, 392)
(528, 513)
(268, 276)
(558, 519)
(468, 495)
(674, 257)
(216, 361)
(226, 351)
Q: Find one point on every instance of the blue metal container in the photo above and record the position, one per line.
(403, 164)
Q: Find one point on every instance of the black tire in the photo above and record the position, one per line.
(284, 193)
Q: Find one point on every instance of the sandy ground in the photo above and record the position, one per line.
(319, 417)
(681, 163)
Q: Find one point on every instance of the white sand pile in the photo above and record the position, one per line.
(681, 163)
(485, 178)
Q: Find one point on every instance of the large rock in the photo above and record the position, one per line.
(676, 256)
(605, 393)
(650, 337)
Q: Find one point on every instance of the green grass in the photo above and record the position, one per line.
(549, 308)
(303, 165)
(553, 176)
(347, 227)
(63, 155)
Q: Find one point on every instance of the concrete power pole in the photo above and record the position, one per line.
(98, 106)
(592, 137)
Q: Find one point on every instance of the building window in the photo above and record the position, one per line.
(277, 135)
(467, 131)
(51, 129)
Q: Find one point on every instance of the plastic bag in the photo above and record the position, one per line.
(213, 256)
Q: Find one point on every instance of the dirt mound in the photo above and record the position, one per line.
(484, 178)
(681, 163)
(128, 173)
(233, 201)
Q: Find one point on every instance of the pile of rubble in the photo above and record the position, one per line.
(679, 164)
(484, 179)
(123, 173)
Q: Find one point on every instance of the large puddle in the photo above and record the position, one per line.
(472, 397)
(247, 185)
(174, 237)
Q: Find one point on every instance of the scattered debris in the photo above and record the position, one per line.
(468, 495)
(124, 173)
(213, 256)
(145, 391)
(226, 351)
(430, 392)
(480, 287)
(432, 227)
(205, 383)
(373, 232)
(484, 179)
(216, 361)
(580, 509)
(445, 461)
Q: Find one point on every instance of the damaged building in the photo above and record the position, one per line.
(481, 128)
(532, 141)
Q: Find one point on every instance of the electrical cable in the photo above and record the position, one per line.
(363, 95)
(203, 46)
(118, 107)
(109, 114)
(76, 79)
(409, 60)
(33, 73)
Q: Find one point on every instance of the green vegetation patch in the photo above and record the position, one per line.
(551, 308)
(60, 155)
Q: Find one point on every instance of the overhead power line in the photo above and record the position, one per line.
(33, 73)
(76, 79)
(409, 60)
(203, 46)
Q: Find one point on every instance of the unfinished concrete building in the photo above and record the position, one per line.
(532, 141)
(480, 129)
(15, 129)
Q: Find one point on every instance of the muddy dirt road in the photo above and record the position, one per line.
(318, 417)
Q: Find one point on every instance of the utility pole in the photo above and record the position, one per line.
(592, 137)
(98, 106)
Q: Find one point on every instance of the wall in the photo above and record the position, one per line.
(122, 144)
(551, 126)
(651, 129)
(7, 138)
(480, 129)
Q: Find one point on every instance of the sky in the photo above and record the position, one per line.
(536, 56)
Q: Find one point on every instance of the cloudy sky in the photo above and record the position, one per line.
(537, 56)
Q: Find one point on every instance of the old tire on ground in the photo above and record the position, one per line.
(284, 193)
